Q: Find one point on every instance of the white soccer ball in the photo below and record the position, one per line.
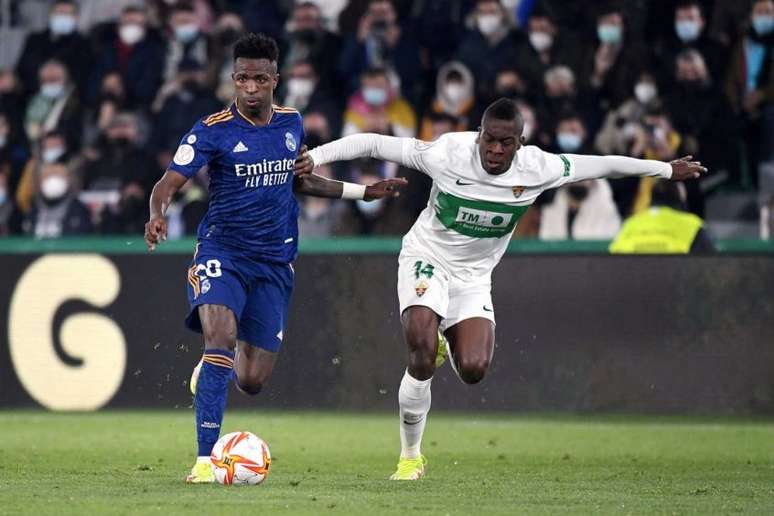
(240, 458)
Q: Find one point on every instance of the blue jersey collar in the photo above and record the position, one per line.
(239, 116)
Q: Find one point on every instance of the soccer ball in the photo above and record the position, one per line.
(240, 458)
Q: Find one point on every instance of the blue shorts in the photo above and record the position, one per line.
(257, 292)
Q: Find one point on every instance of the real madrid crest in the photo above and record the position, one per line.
(290, 142)
(517, 191)
(421, 288)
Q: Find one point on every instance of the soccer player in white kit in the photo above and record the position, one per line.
(482, 184)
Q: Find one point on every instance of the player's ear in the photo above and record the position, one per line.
(478, 136)
(523, 139)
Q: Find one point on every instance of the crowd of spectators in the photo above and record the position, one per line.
(97, 101)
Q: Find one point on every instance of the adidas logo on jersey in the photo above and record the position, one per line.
(240, 147)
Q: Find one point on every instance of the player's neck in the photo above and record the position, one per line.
(260, 116)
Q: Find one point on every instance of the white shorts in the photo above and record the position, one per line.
(423, 281)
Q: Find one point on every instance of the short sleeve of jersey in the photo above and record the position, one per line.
(427, 157)
(555, 169)
(197, 148)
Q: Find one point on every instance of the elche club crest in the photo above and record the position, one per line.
(290, 142)
(517, 191)
(421, 287)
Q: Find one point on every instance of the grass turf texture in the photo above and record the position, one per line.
(135, 462)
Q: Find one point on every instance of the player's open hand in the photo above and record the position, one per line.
(684, 169)
(304, 163)
(155, 232)
(386, 188)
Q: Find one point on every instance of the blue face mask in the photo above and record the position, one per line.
(609, 33)
(763, 24)
(375, 96)
(569, 142)
(61, 24)
(186, 33)
(688, 30)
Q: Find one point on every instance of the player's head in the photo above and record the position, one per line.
(500, 136)
(255, 71)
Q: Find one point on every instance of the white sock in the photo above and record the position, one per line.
(414, 402)
(203, 459)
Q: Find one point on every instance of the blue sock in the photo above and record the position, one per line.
(210, 400)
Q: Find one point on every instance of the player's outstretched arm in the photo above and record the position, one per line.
(365, 145)
(594, 167)
(161, 198)
(318, 186)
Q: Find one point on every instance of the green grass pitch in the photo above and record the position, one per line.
(134, 462)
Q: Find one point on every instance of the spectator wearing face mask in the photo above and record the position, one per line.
(454, 97)
(376, 107)
(53, 148)
(690, 32)
(381, 42)
(750, 85)
(56, 210)
(581, 211)
(60, 41)
(623, 124)
(490, 45)
(186, 41)
(700, 112)
(546, 46)
(610, 69)
(133, 50)
(118, 182)
(227, 29)
(571, 136)
(301, 90)
(561, 95)
(308, 41)
(54, 106)
(185, 102)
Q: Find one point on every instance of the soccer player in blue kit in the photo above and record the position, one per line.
(241, 278)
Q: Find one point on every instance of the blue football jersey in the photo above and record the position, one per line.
(252, 210)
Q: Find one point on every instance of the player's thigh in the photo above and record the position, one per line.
(216, 296)
(422, 284)
(472, 344)
(264, 319)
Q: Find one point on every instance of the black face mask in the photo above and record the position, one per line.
(578, 192)
(306, 35)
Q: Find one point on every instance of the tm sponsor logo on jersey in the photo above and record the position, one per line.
(482, 219)
(265, 172)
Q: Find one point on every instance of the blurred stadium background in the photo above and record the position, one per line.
(94, 96)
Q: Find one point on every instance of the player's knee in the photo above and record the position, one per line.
(472, 370)
(422, 351)
(249, 386)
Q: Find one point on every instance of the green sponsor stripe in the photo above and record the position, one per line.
(479, 219)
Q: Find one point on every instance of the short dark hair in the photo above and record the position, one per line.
(74, 3)
(256, 46)
(685, 4)
(503, 109)
(667, 193)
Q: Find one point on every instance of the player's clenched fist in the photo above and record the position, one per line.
(304, 163)
(155, 232)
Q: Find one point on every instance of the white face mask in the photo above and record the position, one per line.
(51, 155)
(488, 23)
(569, 142)
(688, 30)
(52, 90)
(54, 187)
(62, 24)
(300, 87)
(375, 96)
(369, 208)
(131, 33)
(455, 92)
(186, 33)
(541, 41)
(645, 92)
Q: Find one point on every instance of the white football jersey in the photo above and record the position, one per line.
(471, 214)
